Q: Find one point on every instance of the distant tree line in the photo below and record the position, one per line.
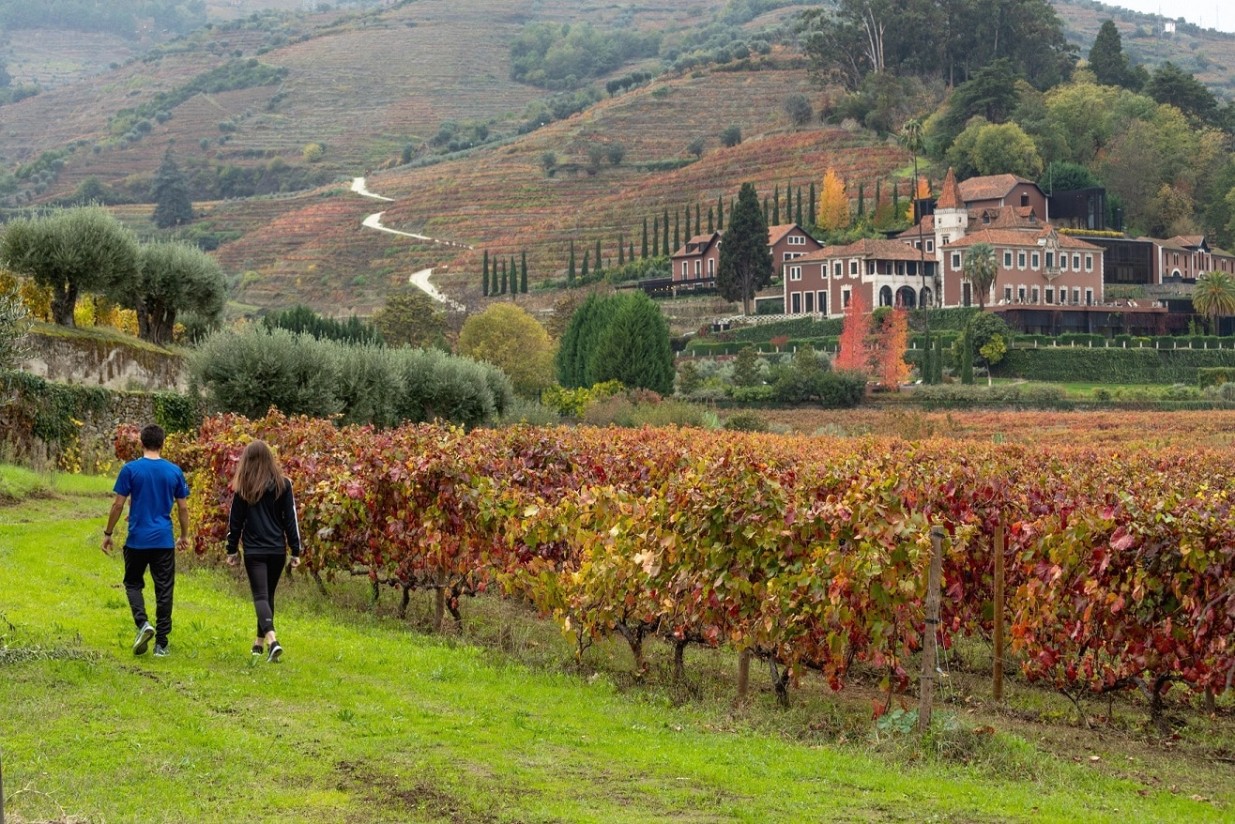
(175, 16)
(560, 56)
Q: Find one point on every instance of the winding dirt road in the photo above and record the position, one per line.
(418, 279)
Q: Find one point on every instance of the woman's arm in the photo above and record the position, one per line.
(291, 527)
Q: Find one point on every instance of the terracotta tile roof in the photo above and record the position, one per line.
(867, 248)
(1013, 237)
(989, 187)
(1189, 241)
(950, 194)
(777, 233)
(700, 242)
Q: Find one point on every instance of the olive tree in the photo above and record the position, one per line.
(174, 277)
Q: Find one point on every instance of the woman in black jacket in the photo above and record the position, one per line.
(263, 519)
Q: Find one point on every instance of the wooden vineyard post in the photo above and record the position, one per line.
(1, 788)
(998, 616)
(930, 649)
(743, 675)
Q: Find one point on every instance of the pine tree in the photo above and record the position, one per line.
(776, 206)
(720, 214)
(854, 331)
(644, 255)
(172, 206)
(833, 203)
(485, 274)
(570, 269)
(523, 273)
(812, 214)
(745, 261)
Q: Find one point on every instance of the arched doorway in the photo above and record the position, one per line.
(885, 296)
(906, 297)
(926, 298)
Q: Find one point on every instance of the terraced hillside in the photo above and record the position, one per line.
(502, 200)
(1208, 54)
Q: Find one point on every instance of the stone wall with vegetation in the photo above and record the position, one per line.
(89, 357)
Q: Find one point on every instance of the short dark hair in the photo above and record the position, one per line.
(153, 437)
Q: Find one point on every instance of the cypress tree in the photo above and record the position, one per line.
(896, 200)
(698, 222)
(767, 215)
(878, 194)
(711, 220)
(677, 237)
(523, 273)
(797, 213)
(644, 248)
(665, 250)
(621, 251)
(583, 272)
(861, 200)
(811, 206)
(788, 201)
(514, 281)
(596, 257)
(967, 357)
(775, 206)
(631, 252)
(172, 205)
(720, 214)
(570, 269)
(502, 266)
(655, 235)
(485, 274)
(938, 360)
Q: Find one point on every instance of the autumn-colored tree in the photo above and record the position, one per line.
(890, 349)
(853, 355)
(923, 192)
(508, 337)
(833, 203)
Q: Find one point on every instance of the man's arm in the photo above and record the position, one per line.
(182, 510)
(117, 508)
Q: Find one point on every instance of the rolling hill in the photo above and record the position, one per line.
(372, 85)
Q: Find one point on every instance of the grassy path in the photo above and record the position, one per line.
(365, 721)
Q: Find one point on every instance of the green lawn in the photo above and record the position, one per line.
(367, 721)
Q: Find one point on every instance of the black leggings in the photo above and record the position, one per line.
(264, 572)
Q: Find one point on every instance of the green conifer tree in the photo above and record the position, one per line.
(523, 273)
(485, 274)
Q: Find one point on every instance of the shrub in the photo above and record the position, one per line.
(746, 422)
(1214, 376)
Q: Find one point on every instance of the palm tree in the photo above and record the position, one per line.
(911, 138)
(980, 268)
(1214, 296)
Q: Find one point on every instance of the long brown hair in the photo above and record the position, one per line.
(258, 471)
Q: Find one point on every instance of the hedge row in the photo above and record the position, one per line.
(1112, 365)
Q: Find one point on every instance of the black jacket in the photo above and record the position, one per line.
(267, 527)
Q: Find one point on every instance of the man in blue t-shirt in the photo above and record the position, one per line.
(153, 485)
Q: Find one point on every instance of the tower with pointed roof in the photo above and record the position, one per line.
(951, 216)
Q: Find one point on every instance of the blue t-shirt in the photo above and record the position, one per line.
(153, 486)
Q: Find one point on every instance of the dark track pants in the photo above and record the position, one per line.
(264, 572)
(162, 564)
